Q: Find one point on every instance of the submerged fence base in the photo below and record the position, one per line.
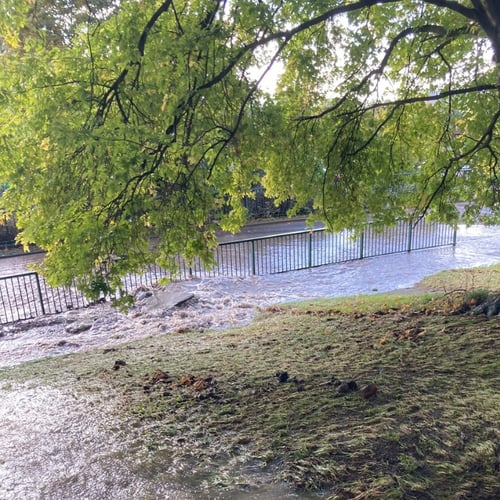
(26, 296)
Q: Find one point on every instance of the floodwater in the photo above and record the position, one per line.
(18, 264)
(476, 246)
(57, 446)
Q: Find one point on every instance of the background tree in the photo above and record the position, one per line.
(125, 131)
(49, 22)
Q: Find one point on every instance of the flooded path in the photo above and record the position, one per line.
(57, 446)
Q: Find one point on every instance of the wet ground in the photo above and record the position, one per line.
(56, 446)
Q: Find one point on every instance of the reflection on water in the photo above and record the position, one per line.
(18, 264)
(476, 246)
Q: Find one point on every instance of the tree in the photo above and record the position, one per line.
(49, 22)
(124, 137)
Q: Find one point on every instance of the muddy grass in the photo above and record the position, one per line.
(282, 395)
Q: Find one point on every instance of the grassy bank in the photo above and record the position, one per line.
(275, 394)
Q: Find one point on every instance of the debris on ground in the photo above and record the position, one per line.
(368, 390)
(118, 364)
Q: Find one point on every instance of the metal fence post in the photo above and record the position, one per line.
(252, 255)
(309, 255)
(410, 236)
(362, 244)
(454, 243)
(40, 296)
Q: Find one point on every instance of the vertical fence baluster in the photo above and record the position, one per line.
(309, 249)
(252, 255)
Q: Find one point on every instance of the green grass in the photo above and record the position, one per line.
(431, 431)
(487, 277)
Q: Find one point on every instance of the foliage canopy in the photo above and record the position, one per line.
(132, 130)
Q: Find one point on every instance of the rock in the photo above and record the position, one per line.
(118, 364)
(143, 294)
(368, 390)
(75, 328)
(493, 307)
(346, 387)
(342, 389)
(490, 307)
(164, 300)
(352, 385)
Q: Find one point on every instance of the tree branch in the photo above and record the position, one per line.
(434, 97)
(483, 142)
(469, 13)
(141, 45)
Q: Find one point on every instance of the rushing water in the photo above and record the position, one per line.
(57, 447)
(476, 246)
(54, 446)
(224, 302)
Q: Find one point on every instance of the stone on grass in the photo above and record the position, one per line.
(75, 328)
(368, 390)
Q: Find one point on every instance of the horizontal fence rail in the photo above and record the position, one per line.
(27, 295)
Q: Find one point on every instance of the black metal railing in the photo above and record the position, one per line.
(317, 247)
(27, 295)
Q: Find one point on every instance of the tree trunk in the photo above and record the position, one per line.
(488, 17)
(490, 307)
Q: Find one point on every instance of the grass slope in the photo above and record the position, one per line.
(431, 430)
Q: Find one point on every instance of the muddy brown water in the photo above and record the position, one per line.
(55, 445)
